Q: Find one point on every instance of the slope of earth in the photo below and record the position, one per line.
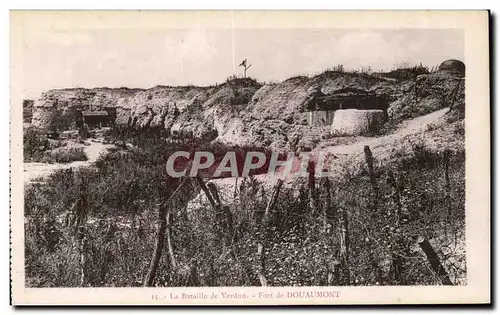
(243, 112)
(275, 116)
(59, 108)
(238, 112)
(429, 93)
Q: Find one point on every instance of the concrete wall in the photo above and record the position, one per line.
(320, 117)
(353, 122)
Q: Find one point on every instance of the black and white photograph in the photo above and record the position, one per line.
(228, 156)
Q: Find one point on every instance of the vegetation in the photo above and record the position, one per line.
(400, 72)
(64, 120)
(405, 72)
(34, 145)
(365, 228)
(65, 155)
(27, 110)
(38, 148)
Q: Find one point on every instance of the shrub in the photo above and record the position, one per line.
(35, 143)
(338, 68)
(65, 155)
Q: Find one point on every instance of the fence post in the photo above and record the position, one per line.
(313, 193)
(160, 237)
(264, 233)
(396, 257)
(170, 244)
(371, 171)
(446, 160)
(83, 248)
(344, 246)
(434, 261)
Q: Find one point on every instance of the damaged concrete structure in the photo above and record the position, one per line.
(354, 122)
(350, 111)
(452, 66)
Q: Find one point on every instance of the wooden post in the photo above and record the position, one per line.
(228, 229)
(160, 237)
(264, 233)
(207, 192)
(246, 68)
(226, 224)
(347, 246)
(235, 194)
(313, 196)
(217, 205)
(397, 265)
(344, 247)
(224, 217)
(193, 277)
(373, 181)
(446, 160)
(83, 248)
(215, 194)
(77, 220)
(434, 261)
(215, 202)
(328, 204)
(397, 260)
(391, 179)
(371, 172)
(333, 277)
(170, 244)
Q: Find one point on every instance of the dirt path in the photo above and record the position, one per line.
(37, 171)
(410, 127)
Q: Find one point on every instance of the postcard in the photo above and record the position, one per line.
(250, 157)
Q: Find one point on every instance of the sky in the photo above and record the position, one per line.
(146, 58)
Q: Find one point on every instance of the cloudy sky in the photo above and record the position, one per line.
(139, 58)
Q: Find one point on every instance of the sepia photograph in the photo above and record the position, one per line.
(223, 157)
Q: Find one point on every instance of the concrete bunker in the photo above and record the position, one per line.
(452, 66)
(97, 118)
(354, 122)
(349, 111)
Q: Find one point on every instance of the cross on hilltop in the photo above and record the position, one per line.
(245, 66)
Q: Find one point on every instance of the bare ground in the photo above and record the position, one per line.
(37, 171)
